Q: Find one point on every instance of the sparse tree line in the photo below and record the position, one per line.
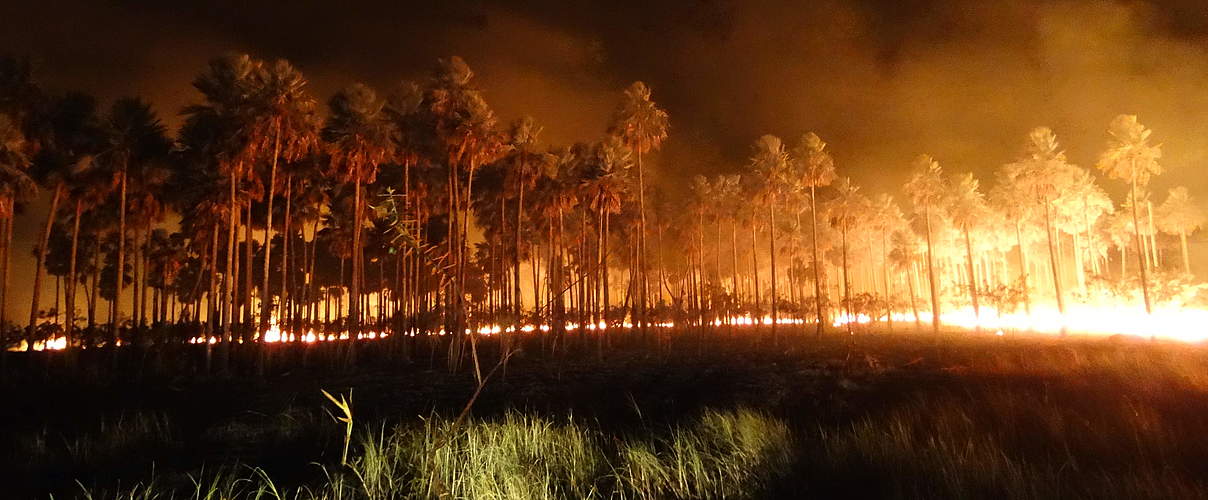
(413, 211)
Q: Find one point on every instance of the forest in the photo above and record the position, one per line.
(412, 213)
(397, 295)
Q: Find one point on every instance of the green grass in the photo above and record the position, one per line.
(731, 454)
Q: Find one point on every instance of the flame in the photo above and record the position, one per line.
(1172, 321)
(51, 344)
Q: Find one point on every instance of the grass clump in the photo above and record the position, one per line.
(723, 455)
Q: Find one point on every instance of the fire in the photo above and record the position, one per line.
(1172, 321)
(51, 344)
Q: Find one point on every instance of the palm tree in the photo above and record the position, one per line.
(886, 219)
(926, 189)
(15, 185)
(71, 138)
(814, 169)
(1180, 215)
(525, 165)
(605, 183)
(226, 87)
(359, 138)
(846, 209)
(1012, 201)
(904, 256)
(1132, 158)
(136, 138)
(1044, 174)
(285, 114)
(967, 208)
(464, 126)
(643, 127)
(729, 200)
(770, 162)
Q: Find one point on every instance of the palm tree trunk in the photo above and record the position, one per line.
(96, 279)
(266, 303)
(644, 283)
(119, 275)
(286, 314)
(354, 300)
(211, 296)
(772, 257)
(935, 296)
(1048, 231)
(247, 273)
(517, 309)
(71, 273)
(1183, 246)
(972, 278)
(39, 265)
(1153, 237)
(1140, 252)
(755, 270)
(228, 281)
(734, 256)
(6, 226)
(885, 278)
(846, 282)
(1023, 269)
(145, 258)
(814, 244)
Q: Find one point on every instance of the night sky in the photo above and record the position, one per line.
(882, 81)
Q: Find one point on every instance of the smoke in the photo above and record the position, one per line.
(880, 80)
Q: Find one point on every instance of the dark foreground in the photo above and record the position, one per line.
(897, 416)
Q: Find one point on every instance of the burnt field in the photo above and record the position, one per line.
(702, 416)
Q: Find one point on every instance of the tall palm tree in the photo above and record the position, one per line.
(285, 115)
(15, 185)
(525, 165)
(1180, 215)
(360, 137)
(226, 88)
(605, 183)
(1131, 157)
(1044, 174)
(135, 139)
(886, 220)
(967, 208)
(770, 161)
(465, 130)
(1012, 200)
(814, 168)
(846, 209)
(71, 137)
(926, 189)
(643, 127)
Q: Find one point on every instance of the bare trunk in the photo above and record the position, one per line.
(39, 266)
(1023, 270)
(814, 262)
(1048, 231)
(1140, 252)
(266, 303)
(71, 273)
(972, 278)
(772, 254)
(935, 296)
(120, 270)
